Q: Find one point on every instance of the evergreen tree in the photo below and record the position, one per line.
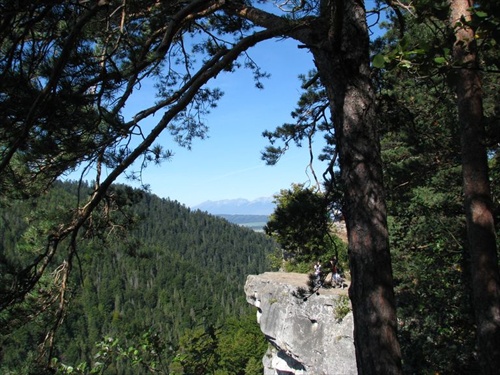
(300, 224)
(430, 52)
(88, 66)
(476, 186)
(171, 270)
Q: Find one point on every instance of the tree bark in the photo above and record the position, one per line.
(339, 42)
(344, 67)
(477, 195)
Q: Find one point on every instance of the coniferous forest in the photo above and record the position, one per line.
(166, 274)
(103, 278)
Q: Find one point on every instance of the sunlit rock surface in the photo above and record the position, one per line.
(306, 335)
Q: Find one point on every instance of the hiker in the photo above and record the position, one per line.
(317, 273)
(336, 278)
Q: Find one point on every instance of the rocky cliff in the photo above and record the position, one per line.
(310, 333)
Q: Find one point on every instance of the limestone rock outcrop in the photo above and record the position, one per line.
(308, 334)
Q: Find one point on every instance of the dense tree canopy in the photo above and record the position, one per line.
(68, 69)
(300, 223)
(173, 272)
(431, 54)
(94, 59)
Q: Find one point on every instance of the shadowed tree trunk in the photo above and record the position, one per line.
(344, 66)
(334, 31)
(338, 39)
(477, 195)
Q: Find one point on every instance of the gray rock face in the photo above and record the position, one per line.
(306, 335)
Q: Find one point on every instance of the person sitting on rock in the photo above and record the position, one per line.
(337, 279)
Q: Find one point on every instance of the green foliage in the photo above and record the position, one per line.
(172, 268)
(300, 223)
(149, 265)
(421, 152)
(197, 352)
(310, 117)
(147, 353)
(425, 47)
(254, 367)
(236, 348)
(342, 307)
(292, 265)
(66, 83)
(241, 346)
(68, 70)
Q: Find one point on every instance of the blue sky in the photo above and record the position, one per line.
(228, 164)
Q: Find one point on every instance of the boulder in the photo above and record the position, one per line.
(309, 332)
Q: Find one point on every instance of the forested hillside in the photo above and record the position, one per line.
(173, 271)
(410, 122)
(255, 222)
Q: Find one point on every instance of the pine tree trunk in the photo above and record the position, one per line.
(477, 195)
(339, 42)
(344, 67)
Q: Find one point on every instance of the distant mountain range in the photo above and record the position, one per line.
(260, 206)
